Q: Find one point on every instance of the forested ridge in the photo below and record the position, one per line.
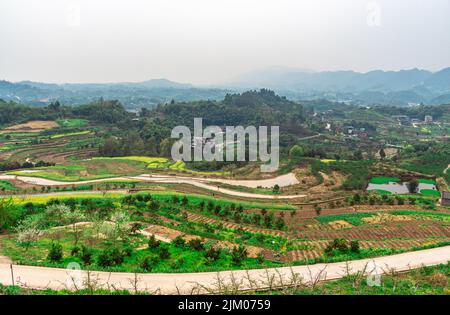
(150, 132)
(102, 111)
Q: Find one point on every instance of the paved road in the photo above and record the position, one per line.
(205, 183)
(187, 283)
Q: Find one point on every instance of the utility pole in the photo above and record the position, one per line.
(12, 274)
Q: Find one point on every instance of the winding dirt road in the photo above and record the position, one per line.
(205, 183)
(206, 282)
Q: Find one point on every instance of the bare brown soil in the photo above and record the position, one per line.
(170, 234)
(31, 126)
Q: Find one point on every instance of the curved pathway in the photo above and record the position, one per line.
(206, 183)
(206, 282)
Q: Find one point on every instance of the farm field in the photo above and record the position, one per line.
(124, 225)
(71, 192)
(225, 148)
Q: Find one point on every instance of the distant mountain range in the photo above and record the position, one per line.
(374, 87)
(398, 88)
(133, 95)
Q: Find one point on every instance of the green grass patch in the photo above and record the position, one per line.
(161, 163)
(157, 195)
(11, 146)
(427, 181)
(70, 134)
(87, 170)
(430, 192)
(357, 171)
(8, 186)
(145, 159)
(352, 218)
(383, 180)
(181, 258)
(71, 123)
(178, 165)
(381, 191)
(197, 199)
(414, 282)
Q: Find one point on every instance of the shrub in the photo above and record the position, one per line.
(86, 255)
(354, 246)
(104, 259)
(276, 189)
(147, 197)
(154, 205)
(164, 253)
(196, 244)
(260, 258)
(177, 263)
(178, 241)
(135, 226)
(74, 251)
(110, 257)
(317, 209)
(117, 256)
(149, 262)
(412, 185)
(337, 244)
(56, 253)
(153, 242)
(238, 254)
(127, 250)
(260, 238)
(212, 253)
(280, 223)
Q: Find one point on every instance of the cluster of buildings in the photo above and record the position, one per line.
(405, 120)
(357, 132)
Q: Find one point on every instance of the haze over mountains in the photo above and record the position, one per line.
(132, 94)
(375, 87)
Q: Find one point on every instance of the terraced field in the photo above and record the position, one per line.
(294, 224)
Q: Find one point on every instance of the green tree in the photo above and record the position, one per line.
(153, 242)
(56, 253)
(178, 241)
(6, 212)
(86, 255)
(296, 153)
(238, 254)
(72, 218)
(413, 185)
(276, 189)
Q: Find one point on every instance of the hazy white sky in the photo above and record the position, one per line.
(211, 41)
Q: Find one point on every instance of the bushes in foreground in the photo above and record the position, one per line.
(343, 246)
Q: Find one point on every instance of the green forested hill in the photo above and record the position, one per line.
(256, 108)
